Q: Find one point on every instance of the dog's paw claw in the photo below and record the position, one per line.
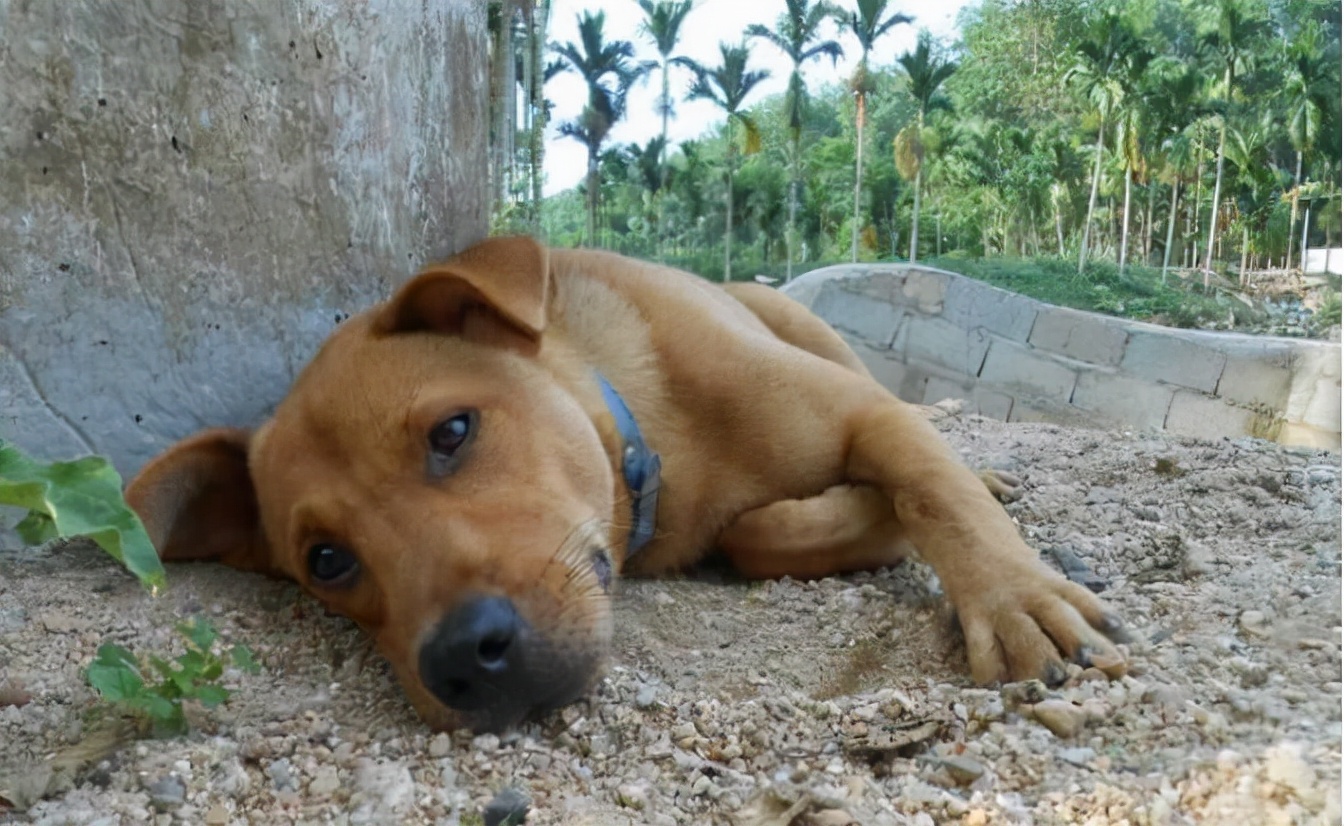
(1055, 674)
(1114, 627)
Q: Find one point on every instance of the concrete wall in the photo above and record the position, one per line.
(929, 335)
(192, 194)
(1324, 259)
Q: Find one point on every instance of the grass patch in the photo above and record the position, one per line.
(1139, 293)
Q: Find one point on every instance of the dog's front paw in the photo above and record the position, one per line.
(1026, 622)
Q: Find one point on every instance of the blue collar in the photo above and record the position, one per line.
(640, 466)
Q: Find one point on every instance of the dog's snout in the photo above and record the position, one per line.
(474, 657)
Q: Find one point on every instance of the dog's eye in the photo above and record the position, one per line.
(332, 565)
(448, 436)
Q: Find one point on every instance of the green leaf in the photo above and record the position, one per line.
(212, 695)
(165, 668)
(36, 528)
(192, 662)
(244, 660)
(201, 633)
(115, 673)
(80, 498)
(166, 714)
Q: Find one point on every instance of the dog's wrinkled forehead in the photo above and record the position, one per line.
(362, 382)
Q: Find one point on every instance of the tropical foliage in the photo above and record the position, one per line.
(1201, 137)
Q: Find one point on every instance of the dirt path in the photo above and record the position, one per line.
(764, 704)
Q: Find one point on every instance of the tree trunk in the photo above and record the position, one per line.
(1124, 222)
(1148, 225)
(593, 183)
(1171, 229)
(662, 161)
(1059, 222)
(1092, 198)
(790, 239)
(1245, 244)
(919, 180)
(537, 135)
(1217, 182)
(859, 119)
(1192, 226)
(914, 215)
(501, 95)
(728, 211)
(1292, 220)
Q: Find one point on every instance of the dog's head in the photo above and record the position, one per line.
(442, 473)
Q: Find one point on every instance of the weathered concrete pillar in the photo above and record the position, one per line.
(192, 194)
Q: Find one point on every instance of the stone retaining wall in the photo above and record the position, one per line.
(929, 335)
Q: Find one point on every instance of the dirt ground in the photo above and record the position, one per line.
(760, 704)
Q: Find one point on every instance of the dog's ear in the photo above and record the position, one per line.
(501, 279)
(198, 503)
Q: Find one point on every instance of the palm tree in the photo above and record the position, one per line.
(662, 26)
(798, 29)
(646, 163)
(535, 74)
(1109, 57)
(924, 73)
(727, 86)
(1230, 30)
(1254, 183)
(502, 23)
(1128, 127)
(867, 24)
(608, 69)
(1175, 104)
(1311, 81)
(1064, 173)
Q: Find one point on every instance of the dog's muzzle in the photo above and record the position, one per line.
(485, 660)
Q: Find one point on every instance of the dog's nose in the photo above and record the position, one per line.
(475, 656)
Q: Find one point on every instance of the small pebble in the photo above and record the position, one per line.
(632, 796)
(325, 782)
(509, 808)
(831, 817)
(280, 775)
(646, 697)
(1064, 719)
(963, 769)
(167, 792)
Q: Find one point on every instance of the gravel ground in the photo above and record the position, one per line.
(759, 704)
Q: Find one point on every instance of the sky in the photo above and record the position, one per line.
(709, 22)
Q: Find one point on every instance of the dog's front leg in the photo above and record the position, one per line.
(1020, 617)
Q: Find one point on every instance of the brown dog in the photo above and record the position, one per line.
(463, 469)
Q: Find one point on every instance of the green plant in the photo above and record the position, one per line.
(79, 498)
(1329, 312)
(1138, 293)
(127, 681)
